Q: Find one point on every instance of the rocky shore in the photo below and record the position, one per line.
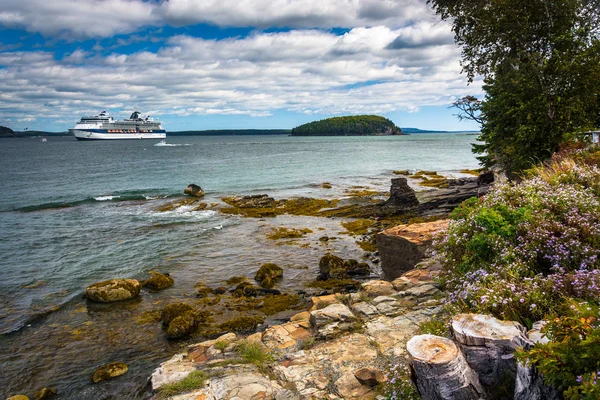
(334, 338)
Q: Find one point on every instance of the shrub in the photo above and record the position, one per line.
(570, 362)
(523, 250)
(195, 380)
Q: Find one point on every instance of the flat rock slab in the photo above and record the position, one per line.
(235, 386)
(331, 313)
(173, 370)
(332, 362)
(378, 288)
(284, 336)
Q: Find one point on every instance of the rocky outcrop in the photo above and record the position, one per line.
(443, 201)
(194, 190)
(402, 196)
(113, 290)
(109, 371)
(402, 247)
(334, 351)
(254, 201)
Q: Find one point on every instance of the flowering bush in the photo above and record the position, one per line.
(570, 362)
(399, 385)
(524, 249)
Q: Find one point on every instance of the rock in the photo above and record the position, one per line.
(421, 290)
(424, 273)
(183, 325)
(267, 273)
(329, 314)
(330, 265)
(370, 376)
(255, 338)
(174, 310)
(202, 290)
(284, 336)
(255, 201)
(235, 386)
(194, 190)
(402, 247)
(18, 397)
(378, 288)
(158, 281)
(536, 335)
(485, 178)
(302, 319)
(354, 268)
(324, 301)
(109, 371)
(443, 201)
(44, 394)
(170, 371)
(365, 309)
(113, 290)
(402, 196)
(387, 305)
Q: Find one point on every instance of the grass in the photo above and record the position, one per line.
(195, 380)
(436, 326)
(254, 353)
(221, 345)
(307, 343)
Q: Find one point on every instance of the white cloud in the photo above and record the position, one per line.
(305, 71)
(77, 19)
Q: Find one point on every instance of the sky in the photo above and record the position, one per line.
(228, 64)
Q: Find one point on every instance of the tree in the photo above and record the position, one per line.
(540, 60)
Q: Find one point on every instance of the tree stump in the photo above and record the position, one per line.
(489, 345)
(529, 384)
(441, 370)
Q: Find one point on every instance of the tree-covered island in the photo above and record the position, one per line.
(358, 125)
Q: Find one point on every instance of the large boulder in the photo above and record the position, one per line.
(113, 290)
(402, 196)
(109, 371)
(402, 247)
(194, 190)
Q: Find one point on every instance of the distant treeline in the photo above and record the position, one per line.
(359, 125)
(219, 132)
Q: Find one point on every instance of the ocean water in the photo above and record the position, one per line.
(74, 213)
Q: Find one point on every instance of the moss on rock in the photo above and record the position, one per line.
(235, 280)
(267, 274)
(158, 281)
(109, 371)
(329, 262)
(202, 290)
(183, 325)
(173, 311)
(45, 394)
(242, 324)
(336, 285)
(288, 233)
(113, 290)
(358, 226)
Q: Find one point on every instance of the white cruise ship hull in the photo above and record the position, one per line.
(88, 135)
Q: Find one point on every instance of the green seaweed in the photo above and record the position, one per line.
(242, 324)
(288, 233)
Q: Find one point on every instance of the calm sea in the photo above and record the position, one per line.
(73, 213)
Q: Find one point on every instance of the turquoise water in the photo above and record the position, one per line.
(73, 213)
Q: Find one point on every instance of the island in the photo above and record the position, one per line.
(358, 125)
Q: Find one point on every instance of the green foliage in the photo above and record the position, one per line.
(195, 380)
(570, 362)
(360, 125)
(541, 63)
(523, 251)
(399, 384)
(254, 353)
(436, 326)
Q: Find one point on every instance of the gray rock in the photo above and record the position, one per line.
(331, 313)
(194, 190)
(113, 290)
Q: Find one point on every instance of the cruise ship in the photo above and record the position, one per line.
(103, 126)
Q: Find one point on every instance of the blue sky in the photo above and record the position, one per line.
(225, 64)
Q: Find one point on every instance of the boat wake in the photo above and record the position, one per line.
(163, 143)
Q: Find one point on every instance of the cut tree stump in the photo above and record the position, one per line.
(529, 384)
(489, 345)
(441, 371)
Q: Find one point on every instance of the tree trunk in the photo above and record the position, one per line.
(529, 383)
(489, 345)
(441, 371)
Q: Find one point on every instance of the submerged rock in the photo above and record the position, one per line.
(44, 394)
(158, 281)
(194, 190)
(255, 201)
(173, 311)
(183, 325)
(202, 290)
(18, 397)
(109, 371)
(330, 265)
(113, 290)
(267, 274)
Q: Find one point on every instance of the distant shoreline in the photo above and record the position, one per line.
(218, 132)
